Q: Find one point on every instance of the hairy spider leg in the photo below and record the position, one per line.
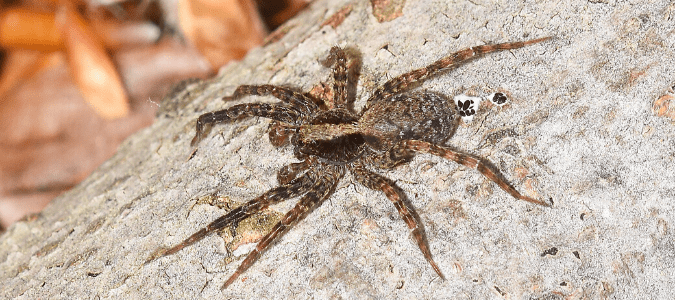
(302, 102)
(276, 111)
(338, 59)
(280, 133)
(324, 187)
(400, 83)
(291, 171)
(469, 161)
(294, 188)
(378, 182)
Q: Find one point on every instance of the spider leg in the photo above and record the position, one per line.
(387, 159)
(279, 133)
(291, 171)
(294, 188)
(400, 83)
(471, 162)
(338, 59)
(279, 112)
(300, 101)
(346, 68)
(323, 188)
(375, 181)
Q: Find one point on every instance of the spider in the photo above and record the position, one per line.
(329, 139)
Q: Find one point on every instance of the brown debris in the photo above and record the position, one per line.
(387, 10)
(665, 105)
(337, 18)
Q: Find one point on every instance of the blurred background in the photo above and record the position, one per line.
(78, 76)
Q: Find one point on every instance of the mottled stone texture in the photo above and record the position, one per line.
(584, 127)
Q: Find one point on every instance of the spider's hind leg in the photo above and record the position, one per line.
(471, 162)
(378, 182)
(291, 171)
(405, 81)
(320, 190)
(292, 189)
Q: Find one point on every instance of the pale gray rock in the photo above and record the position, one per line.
(588, 126)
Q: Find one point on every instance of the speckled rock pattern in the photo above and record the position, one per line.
(589, 125)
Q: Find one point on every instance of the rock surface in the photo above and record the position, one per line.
(590, 124)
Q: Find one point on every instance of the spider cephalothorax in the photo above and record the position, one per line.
(330, 139)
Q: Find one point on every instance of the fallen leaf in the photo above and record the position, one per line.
(91, 68)
(25, 29)
(221, 30)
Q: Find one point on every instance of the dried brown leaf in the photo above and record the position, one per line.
(221, 30)
(337, 18)
(115, 34)
(18, 65)
(91, 68)
(25, 29)
(387, 10)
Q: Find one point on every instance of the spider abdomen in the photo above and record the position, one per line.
(425, 116)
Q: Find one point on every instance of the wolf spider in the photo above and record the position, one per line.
(329, 138)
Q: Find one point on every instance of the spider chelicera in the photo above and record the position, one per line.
(330, 138)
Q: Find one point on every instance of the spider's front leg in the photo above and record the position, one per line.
(279, 112)
(395, 195)
(296, 108)
(292, 189)
(300, 101)
(345, 75)
(338, 59)
(469, 161)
